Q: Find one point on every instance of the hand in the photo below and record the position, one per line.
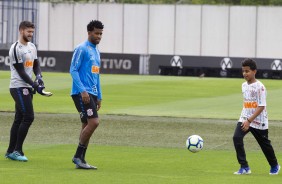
(85, 97)
(39, 80)
(98, 104)
(35, 86)
(245, 126)
(40, 89)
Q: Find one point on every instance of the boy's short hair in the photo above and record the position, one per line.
(95, 24)
(249, 62)
(26, 24)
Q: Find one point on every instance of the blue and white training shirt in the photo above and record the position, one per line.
(85, 70)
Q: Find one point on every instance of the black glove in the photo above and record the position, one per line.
(40, 89)
(37, 87)
(39, 79)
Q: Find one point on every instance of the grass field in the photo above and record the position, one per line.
(145, 121)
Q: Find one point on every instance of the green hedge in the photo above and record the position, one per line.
(212, 2)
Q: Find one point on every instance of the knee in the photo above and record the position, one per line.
(237, 139)
(94, 122)
(28, 118)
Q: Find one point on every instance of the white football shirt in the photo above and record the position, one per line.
(25, 54)
(254, 95)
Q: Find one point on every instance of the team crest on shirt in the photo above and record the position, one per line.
(253, 93)
(25, 91)
(89, 112)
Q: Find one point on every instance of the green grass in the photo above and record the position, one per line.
(152, 96)
(134, 149)
(124, 165)
(144, 123)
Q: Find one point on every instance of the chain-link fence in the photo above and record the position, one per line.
(12, 12)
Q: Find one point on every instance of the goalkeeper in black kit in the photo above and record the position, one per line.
(23, 62)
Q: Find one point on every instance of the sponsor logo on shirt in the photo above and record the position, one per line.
(249, 105)
(95, 69)
(28, 64)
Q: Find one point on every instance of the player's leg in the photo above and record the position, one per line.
(15, 126)
(24, 101)
(89, 118)
(262, 138)
(238, 137)
(85, 136)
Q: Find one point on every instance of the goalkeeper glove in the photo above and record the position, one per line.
(39, 79)
(40, 89)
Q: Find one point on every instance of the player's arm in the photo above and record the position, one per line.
(37, 72)
(38, 79)
(77, 58)
(20, 69)
(99, 97)
(248, 121)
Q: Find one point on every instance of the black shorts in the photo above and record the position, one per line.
(23, 100)
(86, 111)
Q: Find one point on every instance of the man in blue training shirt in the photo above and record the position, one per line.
(86, 89)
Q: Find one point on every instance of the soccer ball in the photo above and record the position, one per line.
(194, 143)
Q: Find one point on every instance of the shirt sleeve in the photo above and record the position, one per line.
(99, 89)
(261, 92)
(77, 58)
(15, 55)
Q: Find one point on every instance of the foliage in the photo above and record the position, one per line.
(211, 2)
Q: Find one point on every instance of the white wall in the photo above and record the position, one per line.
(269, 38)
(214, 31)
(43, 30)
(83, 14)
(61, 32)
(242, 31)
(199, 30)
(161, 29)
(188, 30)
(135, 29)
(112, 17)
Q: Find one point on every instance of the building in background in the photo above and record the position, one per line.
(11, 14)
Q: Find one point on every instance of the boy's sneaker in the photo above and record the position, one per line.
(274, 170)
(91, 167)
(243, 170)
(17, 156)
(80, 164)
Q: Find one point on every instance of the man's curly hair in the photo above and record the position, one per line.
(95, 24)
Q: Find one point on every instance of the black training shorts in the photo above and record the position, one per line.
(86, 111)
(23, 100)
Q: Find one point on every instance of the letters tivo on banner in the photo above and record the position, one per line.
(120, 63)
(60, 62)
(211, 66)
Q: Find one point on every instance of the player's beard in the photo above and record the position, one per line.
(26, 38)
